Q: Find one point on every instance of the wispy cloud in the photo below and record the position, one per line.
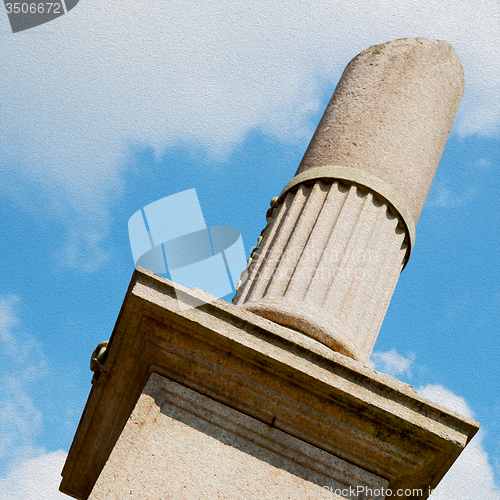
(392, 363)
(29, 472)
(471, 477)
(483, 164)
(37, 478)
(446, 198)
(24, 352)
(22, 363)
(204, 72)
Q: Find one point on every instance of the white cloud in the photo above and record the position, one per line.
(22, 363)
(471, 477)
(77, 89)
(8, 319)
(22, 349)
(446, 398)
(447, 199)
(20, 424)
(392, 363)
(35, 479)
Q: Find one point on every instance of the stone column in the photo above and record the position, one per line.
(343, 229)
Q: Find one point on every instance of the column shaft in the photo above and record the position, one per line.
(328, 264)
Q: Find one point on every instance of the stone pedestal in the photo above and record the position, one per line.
(217, 402)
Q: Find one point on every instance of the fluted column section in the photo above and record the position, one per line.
(343, 228)
(327, 265)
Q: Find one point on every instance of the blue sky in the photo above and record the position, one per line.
(116, 105)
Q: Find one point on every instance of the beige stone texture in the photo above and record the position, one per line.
(178, 444)
(340, 410)
(391, 114)
(331, 255)
(328, 265)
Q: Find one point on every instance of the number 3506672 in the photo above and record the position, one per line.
(33, 8)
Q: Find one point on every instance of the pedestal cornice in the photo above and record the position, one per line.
(270, 373)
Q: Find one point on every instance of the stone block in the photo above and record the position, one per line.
(179, 444)
(221, 369)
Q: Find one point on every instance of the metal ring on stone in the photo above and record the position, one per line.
(364, 179)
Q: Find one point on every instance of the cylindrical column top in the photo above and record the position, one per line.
(390, 116)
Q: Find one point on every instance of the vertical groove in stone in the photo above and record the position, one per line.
(318, 239)
(367, 309)
(294, 247)
(290, 225)
(352, 257)
(386, 287)
(370, 272)
(328, 264)
(382, 291)
(268, 238)
(271, 261)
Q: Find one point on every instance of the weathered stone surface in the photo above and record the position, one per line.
(179, 444)
(328, 266)
(285, 380)
(391, 114)
(331, 255)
